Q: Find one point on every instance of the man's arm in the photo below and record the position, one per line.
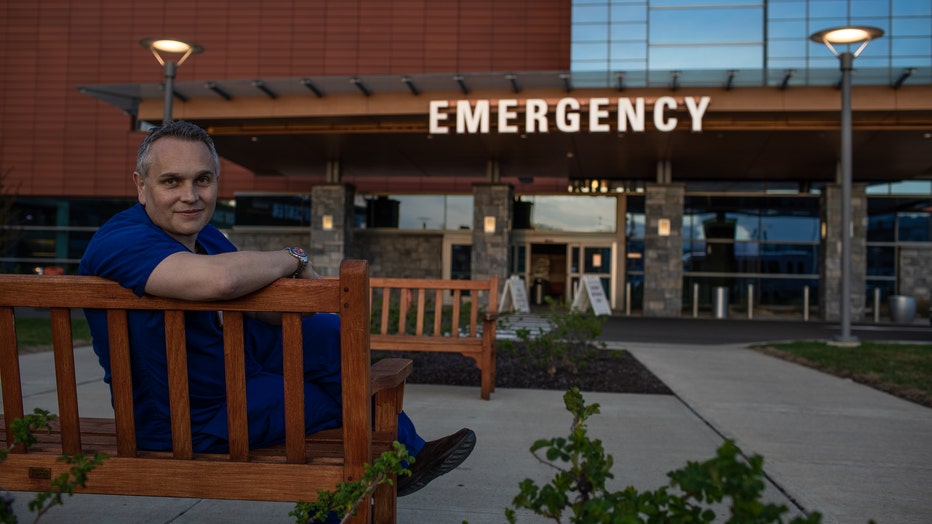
(223, 276)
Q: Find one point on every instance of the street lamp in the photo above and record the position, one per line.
(172, 49)
(846, 36)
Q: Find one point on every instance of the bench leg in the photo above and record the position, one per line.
(388, 405)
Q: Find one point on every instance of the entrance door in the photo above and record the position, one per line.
(547, 273)
(598, 260)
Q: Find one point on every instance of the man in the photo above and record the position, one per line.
(165, 246)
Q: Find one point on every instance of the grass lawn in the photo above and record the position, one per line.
(35, 334)
(904, 370)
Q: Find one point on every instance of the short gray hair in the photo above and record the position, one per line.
(175, 129)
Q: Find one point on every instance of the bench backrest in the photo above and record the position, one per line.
(428, 297)
(346, 295)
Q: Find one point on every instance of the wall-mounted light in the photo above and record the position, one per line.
(489, 226)
(663, 227)
(327, 222)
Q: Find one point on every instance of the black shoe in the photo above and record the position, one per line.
(437, 457)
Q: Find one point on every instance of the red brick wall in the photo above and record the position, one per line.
(56, 141)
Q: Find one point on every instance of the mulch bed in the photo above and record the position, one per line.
(610, 371)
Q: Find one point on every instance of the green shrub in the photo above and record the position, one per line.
(578, 494)
(345, 500)
(566, 344)
(65, 484)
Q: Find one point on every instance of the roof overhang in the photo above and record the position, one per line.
(377, 127)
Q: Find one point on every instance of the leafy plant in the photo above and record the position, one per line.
(344, 501)
(565, 344)
(578, 493)
(24, 435)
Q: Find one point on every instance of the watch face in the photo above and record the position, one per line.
(298, 251)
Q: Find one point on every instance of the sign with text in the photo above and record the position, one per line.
(592, 294)
(514, 296)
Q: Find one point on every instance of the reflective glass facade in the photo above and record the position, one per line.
(646, 43)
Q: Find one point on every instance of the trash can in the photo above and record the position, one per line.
(902, 309)
(720, 302)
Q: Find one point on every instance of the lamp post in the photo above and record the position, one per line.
(172, 49)
(861, 35)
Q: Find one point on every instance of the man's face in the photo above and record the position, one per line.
(180, 189)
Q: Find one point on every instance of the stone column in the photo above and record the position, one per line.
(491, 251)
(332, 205)
(663, 255)
(830, 248)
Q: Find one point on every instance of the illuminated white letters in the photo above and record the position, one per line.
(507, 113)
(472, 121)
(535, 116)
(659, 105)
(596, 114)
(474, 116)
(568, 122)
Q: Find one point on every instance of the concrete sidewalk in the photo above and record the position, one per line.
(830, 445)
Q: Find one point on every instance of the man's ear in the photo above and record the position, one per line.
(140, 182)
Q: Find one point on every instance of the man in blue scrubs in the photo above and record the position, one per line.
(165, 246)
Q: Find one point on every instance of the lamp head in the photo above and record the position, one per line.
(170, 46)
(856, 34)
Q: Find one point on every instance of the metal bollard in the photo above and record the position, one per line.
(750, 301)
(806, 303)
(695, 300)
(876, 305)
(628, 299)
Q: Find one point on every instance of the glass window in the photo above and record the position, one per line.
(871, 8)
(914, 227)
(459, 212)
(787, 9)
(590, 33)
(706, 57)
(573, 213)
(912, 8)
(273, 210)
(629, 13)
(881, 228)
(795, 29)
(590, 13)
(708, 25)
(590, 52)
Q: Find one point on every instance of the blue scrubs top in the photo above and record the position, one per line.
(127, 249)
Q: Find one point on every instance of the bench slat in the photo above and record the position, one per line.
(293, 361)
(178, 393)
(65, 381)
(10, 380)
(234, 358)
(122, 382)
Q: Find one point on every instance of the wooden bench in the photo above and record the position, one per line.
(290, 472)
(447, 332)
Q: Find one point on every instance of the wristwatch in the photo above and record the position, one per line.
(301, 255)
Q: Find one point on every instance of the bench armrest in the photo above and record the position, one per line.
(389, 373)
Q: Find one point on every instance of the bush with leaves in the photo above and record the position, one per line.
(566, 344)
(344, 501)
(578, 494)
(65, 484)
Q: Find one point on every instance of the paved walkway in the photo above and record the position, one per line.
(829, 444)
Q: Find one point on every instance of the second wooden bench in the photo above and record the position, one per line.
(457, 316)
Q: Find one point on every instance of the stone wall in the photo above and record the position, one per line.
(663, 255)
(400, 254)
(830, 261)
(914, 276)
(269, 238)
